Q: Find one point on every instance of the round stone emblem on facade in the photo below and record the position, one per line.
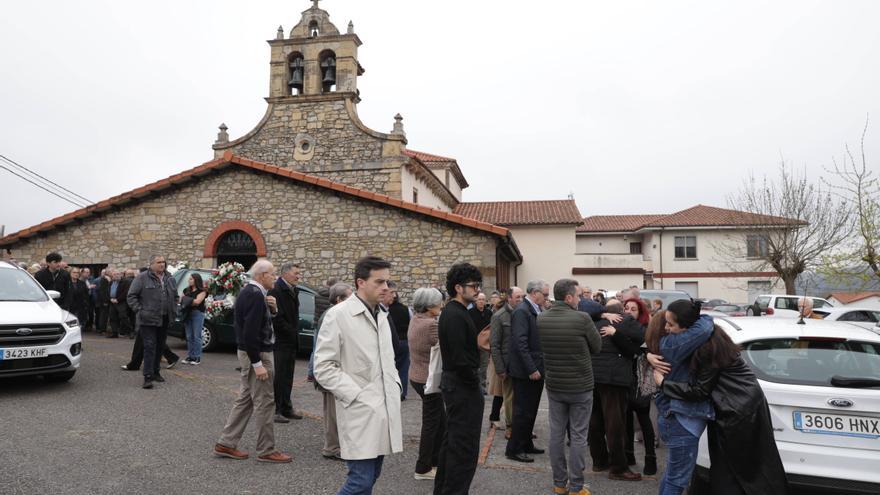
(304, 147)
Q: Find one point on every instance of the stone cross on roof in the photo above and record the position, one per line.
(315, 4)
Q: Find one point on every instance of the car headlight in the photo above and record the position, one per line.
(72, 322)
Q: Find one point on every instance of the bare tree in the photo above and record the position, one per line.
(793, 223)
(860, 188)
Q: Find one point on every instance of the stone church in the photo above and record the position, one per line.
(310, 183)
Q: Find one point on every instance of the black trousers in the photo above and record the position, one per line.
(137, 353)
(154, 342)
(119, 322)
(643, 414)
(90, 316)
(460, 448)
(285, 359)
(525, 410)
(102, 314)
(433, 428)
(607, 427)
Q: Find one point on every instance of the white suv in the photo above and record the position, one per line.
(822, 383)
(783, 305)
(36, 336)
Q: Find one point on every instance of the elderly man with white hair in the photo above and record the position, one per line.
(255, 339)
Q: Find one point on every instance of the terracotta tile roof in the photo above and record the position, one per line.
(697, 216)
(227, 160)
(437, 161)
(553, 212)
(851, 297)
(616, 223)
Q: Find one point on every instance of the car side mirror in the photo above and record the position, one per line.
(54, 294)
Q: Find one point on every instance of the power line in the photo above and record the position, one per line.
(41, 186)
(87, 200)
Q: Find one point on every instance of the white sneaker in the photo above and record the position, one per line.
(426, 476)
(186, 360)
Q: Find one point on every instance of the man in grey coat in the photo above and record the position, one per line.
(568, 339)
(153, 297)
(499, 339)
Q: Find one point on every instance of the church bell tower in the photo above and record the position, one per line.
(315, 59)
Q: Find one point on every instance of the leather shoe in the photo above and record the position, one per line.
(625, 476)
(293, 415)
(534, 450)
(276, 457)
(281, 419)
(230, 452)
(598, 468)
(147, 383)
(158, 378)
(520, 458)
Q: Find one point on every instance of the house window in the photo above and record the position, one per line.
(686, 247)
(635, 248)
(756, 246)
(416, 195)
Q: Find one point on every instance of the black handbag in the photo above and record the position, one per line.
(185, 306)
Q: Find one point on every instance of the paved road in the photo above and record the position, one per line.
(101, 433)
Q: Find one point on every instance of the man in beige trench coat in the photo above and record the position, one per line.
(354, 360)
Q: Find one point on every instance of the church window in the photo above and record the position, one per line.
(328, 71)
(296, 73)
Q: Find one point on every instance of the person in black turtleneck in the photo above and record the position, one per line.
(482, 316)
(460, 383)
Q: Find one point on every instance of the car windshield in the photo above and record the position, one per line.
(812, 361)
(17, 285)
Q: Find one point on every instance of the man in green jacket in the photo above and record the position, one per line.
(568, 338)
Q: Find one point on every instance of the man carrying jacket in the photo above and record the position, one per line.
(285, 323)
(613, 373)
(568, 339)
(526, 366)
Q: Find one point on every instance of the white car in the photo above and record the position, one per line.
(863, 317)
(783, 305)
(36, 336)
(822, 383)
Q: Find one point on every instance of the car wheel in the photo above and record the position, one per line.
(209, 339)
(59, 377)
(750, 312)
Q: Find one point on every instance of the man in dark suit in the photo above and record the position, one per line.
(102, 301)
(254, 338)
(285, 323)
(53, 277)
(525, 365)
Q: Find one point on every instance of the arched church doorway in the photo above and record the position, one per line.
(237, 246)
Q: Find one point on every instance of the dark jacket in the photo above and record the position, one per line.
(614, 363)
(253, 323)
(591, 307)
(122, 290)
(79, 297)
(322, 302)
(286, 320)
(499, 338)
(525, 355)
(458, 344)
(482, 319)
(59, 280)
(568, 338)
(103, 291)
(744, 456)
(398, 313)
(148, 300)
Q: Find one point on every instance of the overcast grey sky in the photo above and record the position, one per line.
(632, 106)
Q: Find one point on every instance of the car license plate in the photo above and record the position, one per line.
(836, 424)
(23, 353)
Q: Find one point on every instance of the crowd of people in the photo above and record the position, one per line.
(603, 363)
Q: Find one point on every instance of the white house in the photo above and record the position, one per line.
(867, 300)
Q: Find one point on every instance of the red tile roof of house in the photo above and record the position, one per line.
(428, 157)
(851, 297)
(696, 216)
(230, 159)
(553, 212)
(437, 161)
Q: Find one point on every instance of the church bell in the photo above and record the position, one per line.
(329, 66)
(296, 74)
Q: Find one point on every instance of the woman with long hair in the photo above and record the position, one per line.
(681, 422)
(195, 319)
(745, 460)
(639, 406)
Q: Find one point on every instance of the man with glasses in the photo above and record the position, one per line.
(526, 366)
(255, 340)
(153, 297)
(460, 383)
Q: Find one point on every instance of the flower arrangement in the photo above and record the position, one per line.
(218, 309)
(230, 278)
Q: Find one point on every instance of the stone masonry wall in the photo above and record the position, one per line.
(337, 148)
(325, 231)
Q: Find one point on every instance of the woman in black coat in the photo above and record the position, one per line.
(745, 460)
(79, 297)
